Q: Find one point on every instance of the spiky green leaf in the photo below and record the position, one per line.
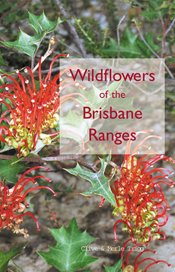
(154, 10)
(30, 44)
(68, 254)
(26, 43)
(128, 46)
(100, 183)
(41, 23)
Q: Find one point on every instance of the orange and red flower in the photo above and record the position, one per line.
(33, 112)
(139, 197)
(13, 203)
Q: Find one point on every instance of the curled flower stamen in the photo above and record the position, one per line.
(155, 262)
(139, 197)
(33, 111)
(40, 187)
(31, 215)
(13, 203)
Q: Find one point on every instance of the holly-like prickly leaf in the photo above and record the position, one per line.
(156, 4)
(70, 253)
(9, 172)
(165, 4)
(41, 23)
(154, 10)
(128, 46)
(149, 39)
(26, 43)
(5, 257)
(30, 44)
(116, 268)
(100, 183)
(150, 13)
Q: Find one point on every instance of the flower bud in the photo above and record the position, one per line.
(9, 140)
(129, 268)
(24, 151)
(47, 140)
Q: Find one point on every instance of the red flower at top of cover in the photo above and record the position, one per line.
(34, 112)
(139, 196)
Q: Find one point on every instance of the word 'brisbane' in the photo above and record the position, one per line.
(110, 114)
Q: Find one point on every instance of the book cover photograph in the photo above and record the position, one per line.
(87, 136)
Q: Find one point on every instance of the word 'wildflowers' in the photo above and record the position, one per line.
(13, 203)
(34, 112)
(135, 268)
(139, 197)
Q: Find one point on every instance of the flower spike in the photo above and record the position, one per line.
(11, 202)
(139, 197)
(34, 112)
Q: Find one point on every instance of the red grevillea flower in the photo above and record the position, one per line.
(135, 268)
(34, 112)
(13, 203)
(139, 196)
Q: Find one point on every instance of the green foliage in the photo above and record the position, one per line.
(116, 268)
(12, 16)
(30, 44)
(128, 46)
(41, 23)
(154, 10)
(100, 183)
(26, 43)
(67, 255)
(9, 172)
(5, 257)
(88, 31)
(131, 46)
(2, 63)
(3, 6)
(145, 50)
